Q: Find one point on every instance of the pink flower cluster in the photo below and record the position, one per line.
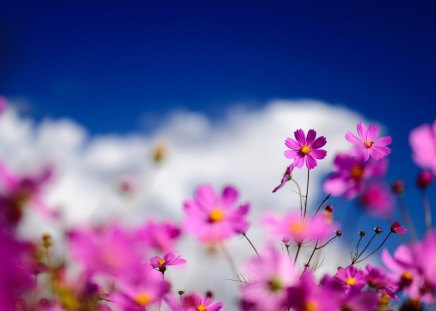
(113, 267)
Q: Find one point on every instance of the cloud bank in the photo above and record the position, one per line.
(244, 149)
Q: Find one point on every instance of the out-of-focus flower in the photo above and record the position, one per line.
(423, 142)
(159, 152)
(426, 260)
(396, 227)
(366, 144)
(305, 149)
(294, 228)
(287, 176)
(108, 250)
(398, 187)
(269, 275)
(377, 200)
(20, 191)
(159, 236)
(214, 218)
(424, 179)
(351, 174)
(377, 279)
(169, 259)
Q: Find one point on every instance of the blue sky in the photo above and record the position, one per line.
(120, 66)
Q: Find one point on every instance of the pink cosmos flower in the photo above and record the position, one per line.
(305, 148)
(377, 200)
(214, 218)
(169, 259)
(293, 228)
(376, 278)
(351, 277)
(287, 176)
(195, 302)
(158, 236)
(396, 227)
(423, 142)
(366, 144)
(350, 175)
(426, 259)
(269, 275)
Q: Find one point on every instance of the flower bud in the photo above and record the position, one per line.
(378, 230)
(398, 186)
(424, 179)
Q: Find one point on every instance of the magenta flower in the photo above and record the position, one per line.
(423, 142)
(377, 200)
(293, 228)
(158, 236)
(351, 174)
(214, 218)
(426, 260)
(169, 259)
(366, 144)
(305, 148)
(377, 279)
(287, 176)
(397, 228)
(269, 276)
(195, 302)
(351, 277)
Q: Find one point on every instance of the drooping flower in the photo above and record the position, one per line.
(169, 259)
(423, 142)
(294, 228)
(214, 218)
(287, 176)
(366, 144)
(269, 275)
(351, 174)
(305, 149)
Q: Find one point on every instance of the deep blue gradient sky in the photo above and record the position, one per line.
(110, 65)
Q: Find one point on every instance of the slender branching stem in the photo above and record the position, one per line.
(251, 243)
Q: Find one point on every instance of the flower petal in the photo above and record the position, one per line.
(311, 135)
(319, 142)
(310, 162)
(299, 135)
(291, 154)
(298, 162)
(350, 137)
(372, 132)
(361, 129)
(292, 144)
(318, 153)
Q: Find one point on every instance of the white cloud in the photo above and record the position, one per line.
(244, 149)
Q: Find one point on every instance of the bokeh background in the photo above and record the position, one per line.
(95, 86)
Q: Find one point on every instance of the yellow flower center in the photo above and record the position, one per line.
(298, 227)
(142, 299)
(368, 143)
(160, 262)
(407, 277)
(275, 284)
(311, 306)
(216, 215)
(351, 281)
(305, 150)
(201, 307)
(356, 172)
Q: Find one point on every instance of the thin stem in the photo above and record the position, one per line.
(406, 217)
(289, 253)
(358, 243)
(427, 211)
(366, 247)
(229, 259)
(311, 256)
(378, 247)
(252, 245)
(297, 253)
(322, 203)
(307, 192)
(325, 244)
(300, 195)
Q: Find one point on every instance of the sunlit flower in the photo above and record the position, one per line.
(423, 142)
(214, 218)
(305, 149)
(366, 144)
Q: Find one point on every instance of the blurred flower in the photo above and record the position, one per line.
(305, 148)
(294, 228)
(351, 174)
(423, 142)
(397, 228)
(377, 200)
(376, 278)
(366, 145)
(269, 275)
(158, 236)
(214, 218)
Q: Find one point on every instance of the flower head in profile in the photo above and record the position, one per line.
(305, 149)
(169, 259)
(423, 142)
(214, 218)
(366, 144)
(287, 176)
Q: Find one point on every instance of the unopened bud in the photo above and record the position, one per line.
(338, 233)
(424, 179)
(378, 230)
(362, 233)
(181, 292)
(398, 186)
(209, 294)
(329, 209)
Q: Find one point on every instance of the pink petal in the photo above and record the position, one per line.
(361, 129)
(350, 137)
(291, 154)
(229, 195)
(372, 132)
(310, 162)
(299, 135)
(318, 153)
(292, 144)
(379, 152)
(311, 135)
(319, 142)
(383, 141)
(205, 195)
(298, 162)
